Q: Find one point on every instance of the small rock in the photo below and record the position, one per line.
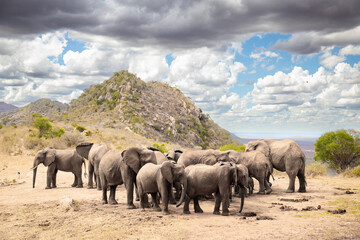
(339, 211)
(66, 202)
(249, 214)
(319, 207)
(349, 192)
(44, 224)
(264, 218)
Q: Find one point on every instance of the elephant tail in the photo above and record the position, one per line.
(85, 173)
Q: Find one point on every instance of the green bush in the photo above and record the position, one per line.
(80, 128)
(162, 148)
(88, 133)
(58, 132)
(315, 169)
(1, 126)
(232, 146)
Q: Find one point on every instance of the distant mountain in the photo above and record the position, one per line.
(154, 110)
(5, 107)
(52, 109)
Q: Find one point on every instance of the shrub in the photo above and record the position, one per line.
(80, 128)
(58, 132)
(315, 169)
(88, 133)
(42, 124)
(162, 148)
(72, 138)
(352, 172)
(32, 142)
(8, 143)
(1, 126)
(232, 146)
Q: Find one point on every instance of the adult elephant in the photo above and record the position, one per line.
(160, 178)
(208, 157)
(205, 179)
(258, 165)
(111, 172)
(134, 158)
(63, 160)
(94, 153)
(285, 156)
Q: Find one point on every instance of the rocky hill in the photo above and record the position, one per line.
(154, 110)
(51, 109)
(5, 107)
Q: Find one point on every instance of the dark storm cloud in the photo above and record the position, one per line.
(181, 23)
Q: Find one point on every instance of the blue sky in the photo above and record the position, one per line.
(258, 68)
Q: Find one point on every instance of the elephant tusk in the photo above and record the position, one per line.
(33, 168)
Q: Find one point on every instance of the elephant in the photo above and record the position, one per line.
(208, 157)
(94, 153)
(63, 160)
(174, 155)
(251, 185)
(134, 159)
(258, 165)
(159, 178)
(111, 172)
(160, 157)
(285, 156)
(205, 179)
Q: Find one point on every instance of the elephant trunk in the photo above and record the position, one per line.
(242, 195)
(34, 172)
(183, 193)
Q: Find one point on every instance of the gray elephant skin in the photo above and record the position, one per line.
(205, 179)
(258, 165)
(285, 156)
(208, 157)
(94, 153)
(134, 158)
(111, 171)
(63, 160)
(174, 155)
(154, 179)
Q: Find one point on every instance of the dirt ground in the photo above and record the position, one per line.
(27, 213)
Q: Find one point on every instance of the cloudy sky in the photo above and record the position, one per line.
(256, 67)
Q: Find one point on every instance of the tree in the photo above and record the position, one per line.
(340, 149)
(43, 125)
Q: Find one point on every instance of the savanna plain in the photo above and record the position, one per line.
(36, 213)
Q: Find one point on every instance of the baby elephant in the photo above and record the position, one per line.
(154, 179)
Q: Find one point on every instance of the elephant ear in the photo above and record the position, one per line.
(83, 149)
(263, 147)
(132, 158)
(49, 156)
(166, 171)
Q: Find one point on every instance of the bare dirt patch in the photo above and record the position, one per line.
(28, 213)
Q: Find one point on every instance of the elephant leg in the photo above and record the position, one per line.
(91, 174)
(261, 181)
(49, 175)
(268, 189)
(98, 183)
(165, 199)
(197, 207)
(186, 205)
(54, 179)
(112, 195)
(130, 180)
(292, 177)
(224, 197)
(137, 194)
(104, 195)
(79, 182)
(75, 181)
(154, 197)
(302, 181)
(217, 203)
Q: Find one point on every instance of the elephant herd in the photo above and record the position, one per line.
(192, 173)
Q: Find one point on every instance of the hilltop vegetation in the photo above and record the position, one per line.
(153, 110)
